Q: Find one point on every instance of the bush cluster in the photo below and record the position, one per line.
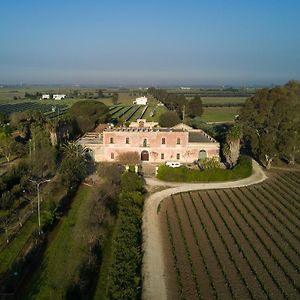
(241, 170)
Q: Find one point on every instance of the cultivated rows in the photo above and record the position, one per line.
(241, 243)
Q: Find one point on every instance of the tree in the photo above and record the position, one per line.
(100, 94)
(42, 156)
(8, 147)
(88, 114)
(169, 119)
(270, 121)
(195, 108)
(129, 158)
(231, 148)
(115, 98)
(73, 171)
(3, 119)
(72, 150)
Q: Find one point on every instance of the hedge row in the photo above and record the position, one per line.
(183, 174)
(125, 272)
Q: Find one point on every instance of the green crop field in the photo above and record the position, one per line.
(223, 100)
(220, 114)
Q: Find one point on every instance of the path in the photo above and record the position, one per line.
(154, 285)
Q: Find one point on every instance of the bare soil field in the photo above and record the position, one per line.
(239, 243)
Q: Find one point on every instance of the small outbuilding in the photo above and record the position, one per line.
(141, 101)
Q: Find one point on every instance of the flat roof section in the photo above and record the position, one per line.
(90, 138)
(200, 137)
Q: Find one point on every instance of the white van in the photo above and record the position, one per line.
(173, 164)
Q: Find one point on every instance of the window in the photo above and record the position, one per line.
(178, 155)
(112, 155)
(111, 140)
(163, 141)
(127, 140)
(145, 142)
(162, 156)
(178, 141)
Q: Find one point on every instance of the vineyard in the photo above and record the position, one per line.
(241, 243)
(133, 112)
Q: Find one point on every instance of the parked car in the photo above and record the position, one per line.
(173, 164)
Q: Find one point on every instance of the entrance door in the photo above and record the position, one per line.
(202, 154)
(145, 155)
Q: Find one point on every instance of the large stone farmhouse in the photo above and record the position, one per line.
(157, 145)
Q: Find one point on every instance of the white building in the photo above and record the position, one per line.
(140, 101)
(45, 96)
(59, 97)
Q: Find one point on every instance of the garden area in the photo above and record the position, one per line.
(243, 169)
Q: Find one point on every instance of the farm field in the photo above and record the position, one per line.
(215, 101)
(219, 114)
(133, 112)
(241, 243)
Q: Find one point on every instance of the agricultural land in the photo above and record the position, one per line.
(239, 243)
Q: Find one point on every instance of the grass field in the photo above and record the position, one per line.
(65, 252)
(241, 243)
(219, 114)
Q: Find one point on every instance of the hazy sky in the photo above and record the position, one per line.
(149, 42)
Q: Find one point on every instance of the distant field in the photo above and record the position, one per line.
(126, 97)
(223, 100)
(219, 114)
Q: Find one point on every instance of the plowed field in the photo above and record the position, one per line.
(241, 243)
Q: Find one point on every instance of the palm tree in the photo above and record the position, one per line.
(73, 150)
(232, 145)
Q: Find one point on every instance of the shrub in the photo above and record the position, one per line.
(131, 182)
(241, 170)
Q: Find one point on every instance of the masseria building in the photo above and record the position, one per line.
(157, 145)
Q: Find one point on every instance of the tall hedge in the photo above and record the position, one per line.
(125, 272)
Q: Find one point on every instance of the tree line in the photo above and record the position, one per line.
(270, 121)
(177, 103)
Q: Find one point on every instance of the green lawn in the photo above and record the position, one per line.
(102, 283)
(220, 114)
(65, 253)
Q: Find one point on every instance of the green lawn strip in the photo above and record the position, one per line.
(10, 253)
(65, 252)
(102, 283)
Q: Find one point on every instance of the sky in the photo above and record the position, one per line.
(149, 42)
